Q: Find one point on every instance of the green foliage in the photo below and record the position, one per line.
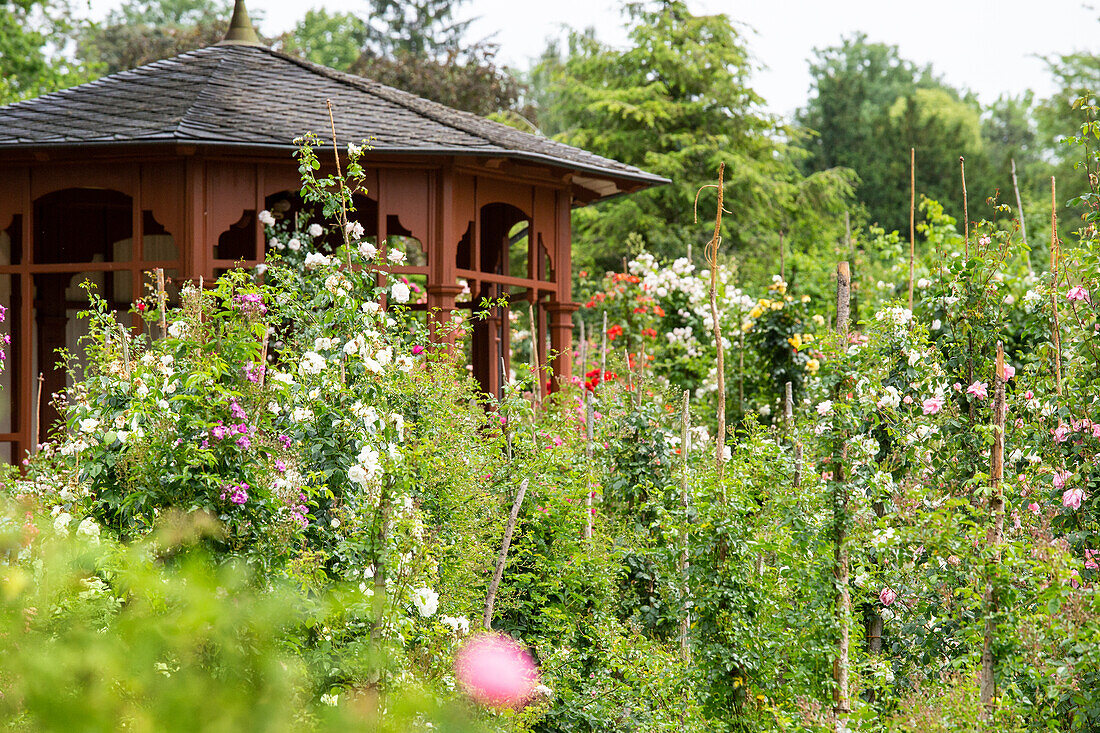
(675, 102)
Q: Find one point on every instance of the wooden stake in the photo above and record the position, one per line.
(912, 218)
(988, 686)
(712, 261)
(685, 449)
(1020, 213)
(843, 601)
(125, 341)
(162, 301)
(263, 359)
(534, 356)
(584, 351)
(966, 208)
(782, 259)
(603, 349)
(1054, 278)
(506, 428)
(589, 426)
(498, 572)
(38, 414)
(843, 301)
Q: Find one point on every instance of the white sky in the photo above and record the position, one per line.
(988, 46)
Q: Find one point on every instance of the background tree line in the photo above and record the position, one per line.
(676, 100)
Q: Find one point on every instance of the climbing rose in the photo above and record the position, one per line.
(978, 389)
(1078, 293)
(887, 596)
(400, 292)
(932, 405)
(1072, 498)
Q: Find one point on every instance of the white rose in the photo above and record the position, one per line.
(315, 230)
(426, 601)
(61, 524)
(400, 292)
(312, 363)
(294, 245)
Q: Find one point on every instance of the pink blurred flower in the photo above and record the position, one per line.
(496, 671)
(957, 386)
(1075, 579)
(978, 389)
(1033, 508)
(1072, 498)
(1078, 293)
(887, 596)
(417, 349)
(1010, 372)
(1090, 562)
(932, 405)
(1029, 395)
(907, 400)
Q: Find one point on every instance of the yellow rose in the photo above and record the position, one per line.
(812, 366)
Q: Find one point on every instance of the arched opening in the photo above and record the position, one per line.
(502, 251)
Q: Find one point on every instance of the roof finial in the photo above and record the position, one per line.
(241, 32)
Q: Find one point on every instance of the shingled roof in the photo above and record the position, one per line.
(250, 95)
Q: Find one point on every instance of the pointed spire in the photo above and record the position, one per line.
(241, 32)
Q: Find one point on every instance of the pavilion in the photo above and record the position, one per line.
(168, 165)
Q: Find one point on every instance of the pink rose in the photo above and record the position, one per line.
(887, 596)
(1075, 579)
(1090, 563)
(1061, 433)
(1072, 498)
(978, 389)
(957, 386)
(1078, 293)
(496, 671)
(1029, 395)
(1010, 372)
(1033, 508)
(1061, 478)
(932, 405)
(907, 400)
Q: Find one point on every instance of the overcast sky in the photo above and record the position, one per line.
(990, 47)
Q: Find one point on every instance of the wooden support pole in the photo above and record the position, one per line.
(966, 208)
(912, 218)
(603, 349)
(502, 558)
(589, 430)
(843, 601)
(584, 351)
(1054, 279)
(1020, 214)
(38, 414)
(685, 449)
(988, 685)
(712, 261)
(534, 357)
(162, 302)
